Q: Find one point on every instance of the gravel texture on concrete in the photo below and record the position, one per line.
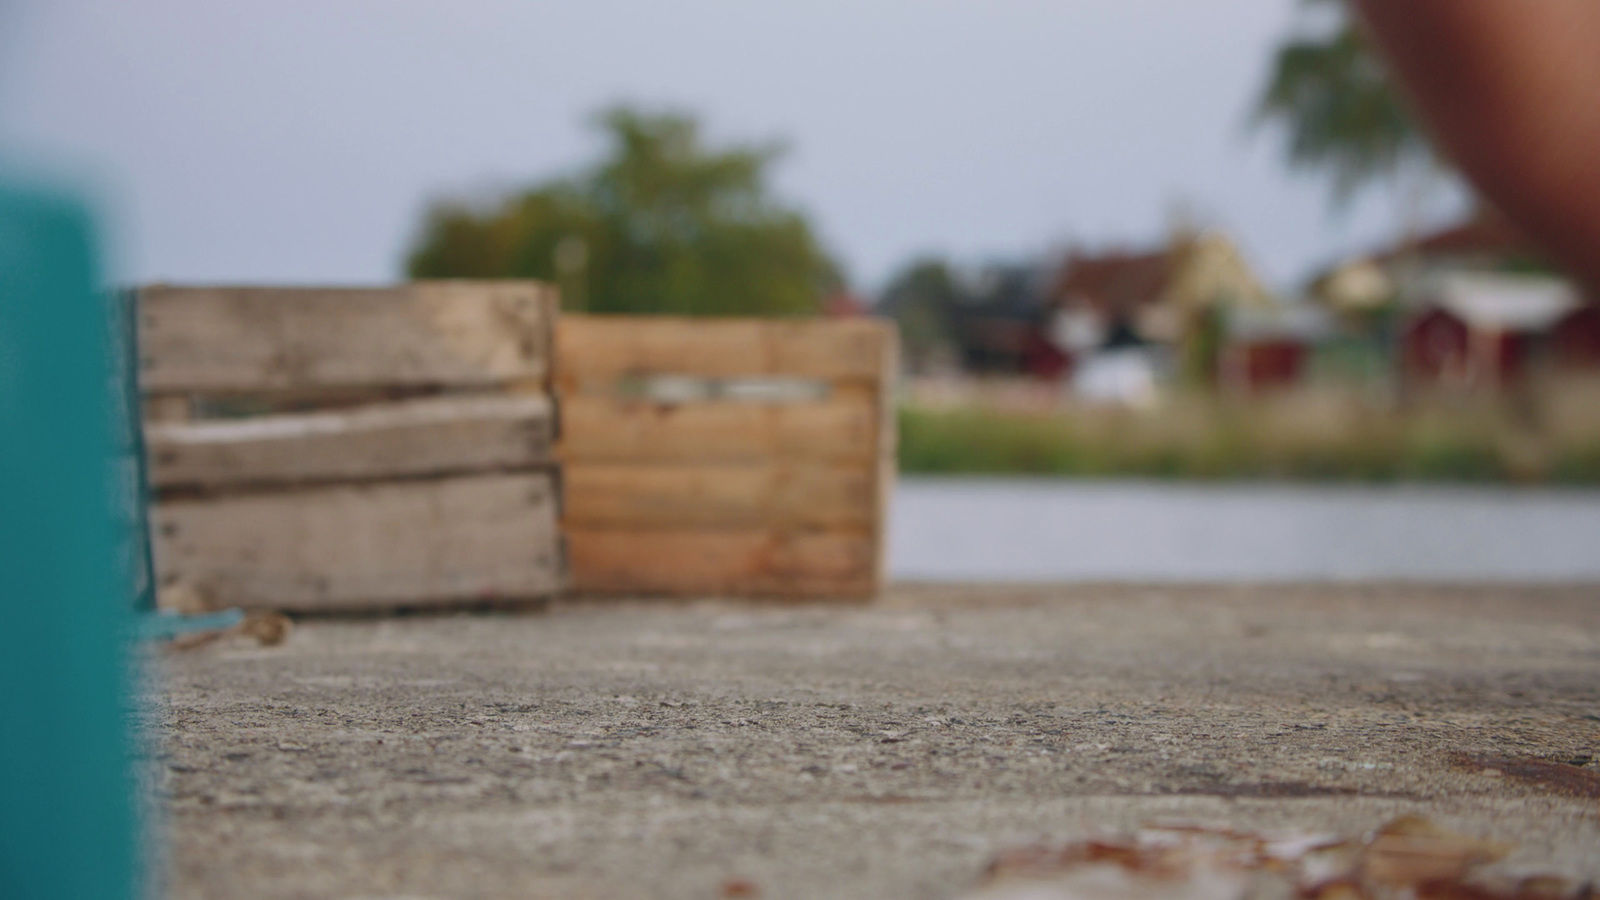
(632, 749)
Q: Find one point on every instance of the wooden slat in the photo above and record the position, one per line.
(691, 496)
(595, 352)
(415, 437)
(737, 563)
(169, 408)
(241, 339)
(607, 429)
(888, 463)
(397, 544)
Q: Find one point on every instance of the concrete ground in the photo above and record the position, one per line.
(625, 750)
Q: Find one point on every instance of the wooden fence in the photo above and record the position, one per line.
(352, 448)
(733, 457)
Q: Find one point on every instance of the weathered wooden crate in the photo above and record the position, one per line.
(336, 449)
(734, 457)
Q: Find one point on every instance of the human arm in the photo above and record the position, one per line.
(1511, 92)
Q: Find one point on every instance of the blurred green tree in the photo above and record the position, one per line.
(1332, 96)
(920, 297)
(660, 224)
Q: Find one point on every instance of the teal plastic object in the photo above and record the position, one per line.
(68, 558)
(132, 487)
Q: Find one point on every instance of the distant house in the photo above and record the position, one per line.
(1487, 330)
(1150, 296)
(1147, 304)
(1474, 305)
(999, 325)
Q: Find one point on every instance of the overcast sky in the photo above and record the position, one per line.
(298, 140)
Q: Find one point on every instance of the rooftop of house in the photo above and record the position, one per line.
(1484, 242)
(1195, 270)
(1117, 282)
(1485, 235)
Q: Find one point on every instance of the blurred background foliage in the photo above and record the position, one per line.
(1339, 110)
(1328, 434)
(661, 223)
(920, 297)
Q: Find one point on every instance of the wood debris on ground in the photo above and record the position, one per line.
(1408, 858)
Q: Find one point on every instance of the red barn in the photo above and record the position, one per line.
(1263, 364)
(1481, 330)
(1269, 349)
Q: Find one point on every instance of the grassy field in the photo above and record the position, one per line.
(1549, 437)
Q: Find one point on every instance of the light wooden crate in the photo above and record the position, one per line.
(400, 454)
(731, 457)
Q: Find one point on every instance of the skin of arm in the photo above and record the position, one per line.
(1510, 89)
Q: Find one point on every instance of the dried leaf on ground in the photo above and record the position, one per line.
(1412, 850)
(1408, 857)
